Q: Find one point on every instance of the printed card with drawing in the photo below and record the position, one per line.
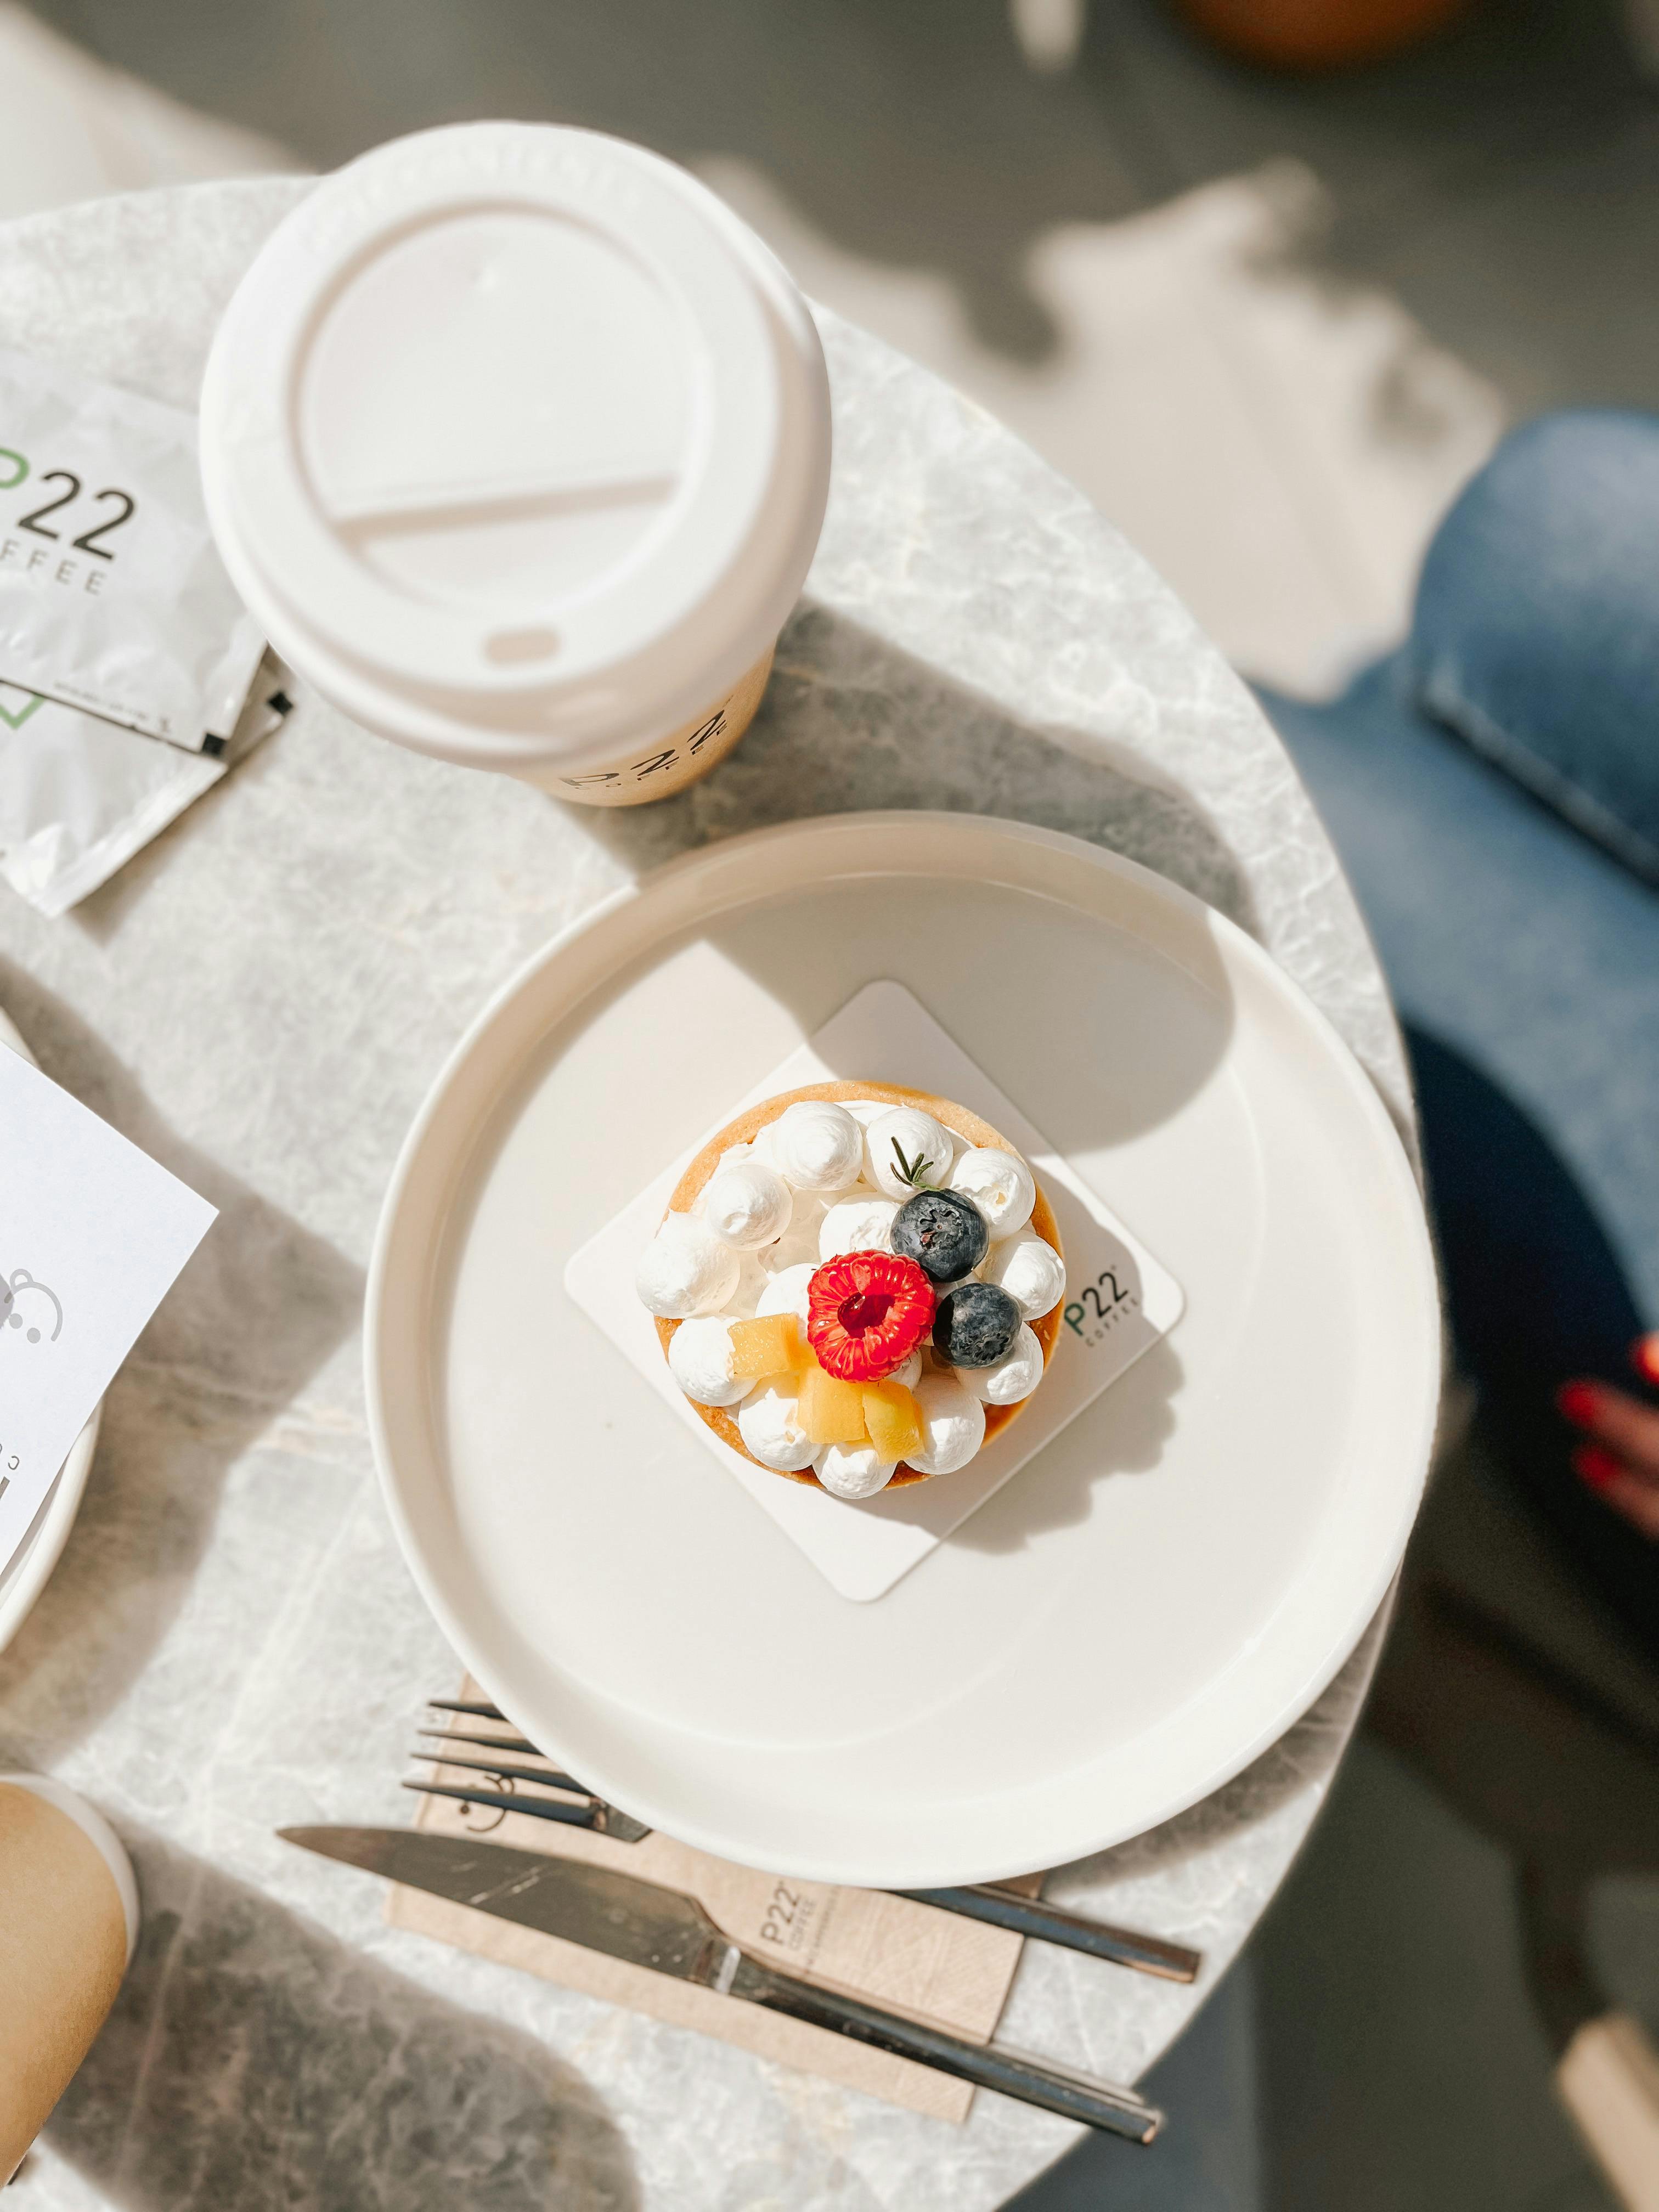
(92, 1235)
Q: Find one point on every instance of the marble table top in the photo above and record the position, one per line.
(260, 1000)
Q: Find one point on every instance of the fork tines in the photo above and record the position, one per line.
(587, 1814)
(520, 1743)
(503, 1767)
(550, 1776)
(544, 1791)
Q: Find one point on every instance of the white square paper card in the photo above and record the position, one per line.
(1119, 1302)
(92, 1234)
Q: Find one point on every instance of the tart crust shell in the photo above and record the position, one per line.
(746, 1126)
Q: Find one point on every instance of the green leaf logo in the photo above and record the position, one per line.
(34, 703)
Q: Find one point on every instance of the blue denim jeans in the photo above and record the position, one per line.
(1536, 634)
(1493, 789)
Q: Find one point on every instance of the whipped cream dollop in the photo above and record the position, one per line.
(953, 1424)
(686, 1269)
(798, 1244)
(786, 1292)
(1030, 1269)
(769, 1423)
(747, 1204)
(860, 1223)
(816, 1146)
(905, 1148)
(1015, 1376)
(1000, 1186)
(854, 1470)
(700, 1361)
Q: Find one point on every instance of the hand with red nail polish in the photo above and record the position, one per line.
(1621, 1462)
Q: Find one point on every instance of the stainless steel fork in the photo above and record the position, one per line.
(577, 1806)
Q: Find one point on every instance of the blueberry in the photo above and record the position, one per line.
(976, 1325)
(943, 1233)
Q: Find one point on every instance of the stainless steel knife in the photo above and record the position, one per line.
(650, 1926)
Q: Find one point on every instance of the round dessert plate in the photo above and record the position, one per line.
(25, 1575)
(1135, 1615)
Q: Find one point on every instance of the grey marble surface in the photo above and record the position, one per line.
(260, 1000)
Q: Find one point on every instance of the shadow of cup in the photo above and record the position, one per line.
(252, 2060)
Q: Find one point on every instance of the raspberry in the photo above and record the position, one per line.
(867, 1313)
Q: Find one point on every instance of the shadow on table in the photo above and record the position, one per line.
(849, 723)
(253, 2060)
(256, 1314)
(852, 723)
(101, 914)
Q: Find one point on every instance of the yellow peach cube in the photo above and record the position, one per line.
(893, 1418)
(787, 1384)
(773, 1344)
(831, 1411)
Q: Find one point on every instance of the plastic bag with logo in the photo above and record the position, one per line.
(112, 595)
(79, 796)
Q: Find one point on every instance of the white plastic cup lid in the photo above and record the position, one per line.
(517, 441)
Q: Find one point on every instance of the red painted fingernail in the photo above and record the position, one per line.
(1596, 1467)
(1644, 1355)
(1577, 1403)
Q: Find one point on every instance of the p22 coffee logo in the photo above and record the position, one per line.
(17, 471)
(1099, 1306)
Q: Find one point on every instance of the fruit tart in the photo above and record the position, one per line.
(856, 1284)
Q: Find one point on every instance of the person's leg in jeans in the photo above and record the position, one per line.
(1493, 789)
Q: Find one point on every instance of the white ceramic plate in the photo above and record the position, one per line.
(25, 1575)
(1148, 1604)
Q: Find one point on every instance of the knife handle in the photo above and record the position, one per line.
(1053, 2088)
(1029, 1916)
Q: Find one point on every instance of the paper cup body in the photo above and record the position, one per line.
(68, 1920)
(517, 442)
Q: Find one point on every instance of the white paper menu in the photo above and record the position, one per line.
(92, 1235)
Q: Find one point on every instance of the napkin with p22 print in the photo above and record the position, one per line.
(92, 1235)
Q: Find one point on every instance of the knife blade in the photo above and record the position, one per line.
(647, 1925)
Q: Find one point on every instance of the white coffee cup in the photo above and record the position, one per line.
(516, 442)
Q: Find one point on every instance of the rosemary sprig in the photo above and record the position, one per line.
(911, 1171)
